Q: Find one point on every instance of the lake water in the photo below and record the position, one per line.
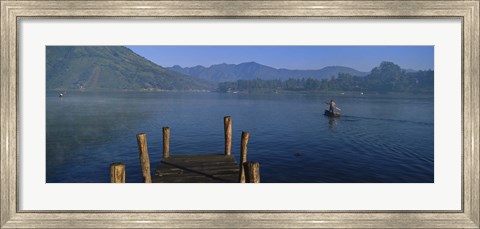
(377, 138)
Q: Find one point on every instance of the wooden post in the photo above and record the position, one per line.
(227, 122)
(117, 172)
(243, 156)
(144, 160)
(252, 172)
(166, 142)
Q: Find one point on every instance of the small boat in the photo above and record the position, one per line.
(332, 114)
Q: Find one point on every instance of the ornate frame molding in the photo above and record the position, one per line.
(11, 11)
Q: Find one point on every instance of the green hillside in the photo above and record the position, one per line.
(111, 68)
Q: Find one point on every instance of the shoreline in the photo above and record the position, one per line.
(269, 93)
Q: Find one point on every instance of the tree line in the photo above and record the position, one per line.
(388, 77)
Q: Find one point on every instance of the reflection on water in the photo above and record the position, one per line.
(377, 139)
(332, 122)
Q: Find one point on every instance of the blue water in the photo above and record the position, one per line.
(377, 139)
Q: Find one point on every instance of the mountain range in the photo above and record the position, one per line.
(119, 68)
(111, 68)
(252, 70)
(387, 77)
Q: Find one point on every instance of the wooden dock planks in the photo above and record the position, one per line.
(207, 168)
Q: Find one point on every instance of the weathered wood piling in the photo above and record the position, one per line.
(117, 172)
(203, 168)
(166, 142)
(227, 123)
(252, 172)
(243, 156)
(144, 159)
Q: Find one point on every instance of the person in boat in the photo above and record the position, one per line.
(332, 106)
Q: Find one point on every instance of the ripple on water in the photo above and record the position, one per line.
(376, 140)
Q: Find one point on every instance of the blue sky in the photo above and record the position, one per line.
(362, 58)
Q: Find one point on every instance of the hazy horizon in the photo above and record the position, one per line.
(361, 58)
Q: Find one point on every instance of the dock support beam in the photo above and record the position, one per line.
(117, 172)
(252, 172)
(243, 155)
(166, 142)
(227, 122)
(144, 160)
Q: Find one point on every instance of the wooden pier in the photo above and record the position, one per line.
(201, 168)
(208, 168)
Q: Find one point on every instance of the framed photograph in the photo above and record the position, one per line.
(258, 114)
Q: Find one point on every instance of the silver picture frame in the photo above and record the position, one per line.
(12, 11)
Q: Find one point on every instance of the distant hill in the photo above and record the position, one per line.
(253, 70)
(387, 77)
(111, 68)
